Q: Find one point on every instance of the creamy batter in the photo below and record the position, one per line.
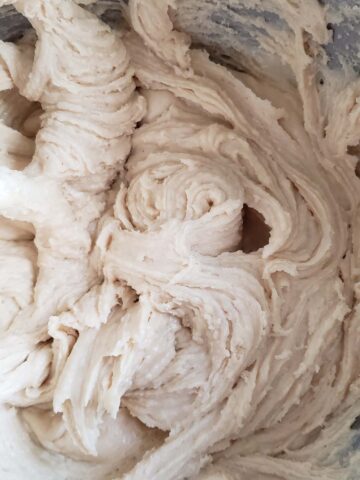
(179, 253)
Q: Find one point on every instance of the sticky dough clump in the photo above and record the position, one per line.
(179, 253)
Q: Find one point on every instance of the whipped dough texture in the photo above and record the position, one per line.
(179, 253)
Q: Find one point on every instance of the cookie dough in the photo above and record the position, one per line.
(179, 251)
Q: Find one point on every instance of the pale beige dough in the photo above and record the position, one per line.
(179, 253)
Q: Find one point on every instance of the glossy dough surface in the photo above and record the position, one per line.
(179, 253)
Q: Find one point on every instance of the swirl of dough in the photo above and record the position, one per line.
(193, 313)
